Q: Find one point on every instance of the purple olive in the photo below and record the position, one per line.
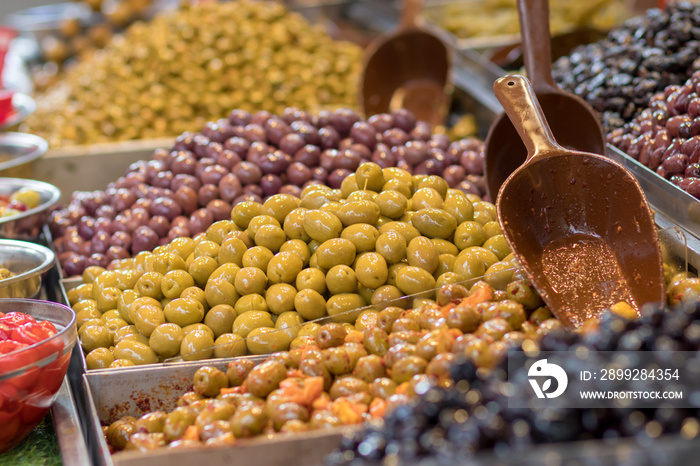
(239, 117)
(206, 194)
(220, 210)
(247, 173)
(328, 137)
(121, 239)
(270, 184)
(200, 220)
(159, 224)
(228, 159)
(144, 239)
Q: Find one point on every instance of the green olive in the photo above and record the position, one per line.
(94, 336)
(182, 246)
(392, 204)
(290, 322)
(251, 302)
(197, 345)
(220, 319)
(362, 235)
(280, 298)
(426, 198)
(146, 318)
(298, 247)
(434, 223)
(138, 353)
(231, 251)
(369, 176)
(361, 211)
(413, 280)
(266, 340)
(174, 283)
(392, 246)
(250, 320)
(244, 212)
(294, 224)
(284, 268)
(459, 206)
(371, 270)
(421, 252)
(220, 291)
(229, 345)
(322, 226)
(345, 307)
(218, 231)
(310, 304)
(201, 268)
(311, 278)
(184, 311)
(341, 279)
(257, 256)
(469, 266)
(166, 339)
(164, 262)
(250, 280)
(270, 236)
(99, 358)
(406, 229)
(279, 206)
(335, 251)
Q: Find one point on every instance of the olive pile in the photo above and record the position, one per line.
(473, 415)
(182, 191)
(619, 74)
(339, 375)
(188, 66)
(383, 235)
(81, 36)
(666, 136)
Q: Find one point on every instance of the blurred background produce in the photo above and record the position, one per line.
(489, 18)
(188, 66)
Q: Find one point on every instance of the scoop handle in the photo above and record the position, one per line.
(518, 99)
(537, 46)
(411, 14)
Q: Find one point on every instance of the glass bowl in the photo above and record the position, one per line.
(30, 377)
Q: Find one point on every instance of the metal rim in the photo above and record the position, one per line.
(53, 191)
(23, 106)
(46, 264)
(23, 139)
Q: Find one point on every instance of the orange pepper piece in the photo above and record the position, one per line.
(377, 408)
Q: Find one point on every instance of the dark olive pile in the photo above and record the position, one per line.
(666, 136)
(473, 415)
(619, 74)
(195, 183)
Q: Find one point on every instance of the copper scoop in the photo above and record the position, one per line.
(574, 123)
(408, 68)
(578, 223)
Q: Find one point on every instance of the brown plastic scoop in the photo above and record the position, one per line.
(578, 223)
(409, 68)
(574, 123)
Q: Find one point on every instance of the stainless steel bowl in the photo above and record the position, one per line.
(18, 151)
(28, 261)
(45, 20)
(27, 225)
(22, 107)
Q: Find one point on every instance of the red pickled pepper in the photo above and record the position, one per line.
(19, 330)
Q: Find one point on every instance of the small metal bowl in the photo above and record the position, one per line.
(22, 107)
(27, 225)
(28, 261)
(18, 151)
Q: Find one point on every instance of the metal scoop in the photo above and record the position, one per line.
(408, 68)
(574, 123)
(578, 223)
